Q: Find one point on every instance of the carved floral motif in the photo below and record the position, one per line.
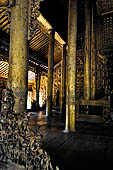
(19, 143)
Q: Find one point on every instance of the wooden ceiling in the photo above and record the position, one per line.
(38, 45)
(4, 23)
(39, 42)
(4, 66)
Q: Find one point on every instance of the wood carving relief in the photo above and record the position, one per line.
(56, 85)
(80, 76)
(18, 142)
(33, 13)
(102, 76)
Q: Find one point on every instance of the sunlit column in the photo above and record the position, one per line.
(63, 81)
(93, 56)
(71, 66)
(18, 57)
(38, 75)
(50, 73)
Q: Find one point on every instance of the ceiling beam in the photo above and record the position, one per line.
(35, 56)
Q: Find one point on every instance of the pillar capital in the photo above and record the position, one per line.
(51, 31)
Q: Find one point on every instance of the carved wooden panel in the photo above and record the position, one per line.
(56, 84)
(106, 32)
(105, 5)
(102, 76)
(80, 76)
(19, 143)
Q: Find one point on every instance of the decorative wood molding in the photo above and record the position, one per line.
(33, 14)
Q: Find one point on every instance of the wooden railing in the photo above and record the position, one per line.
(100, 107)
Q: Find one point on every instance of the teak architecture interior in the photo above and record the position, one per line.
(84, 59)
(74, 72)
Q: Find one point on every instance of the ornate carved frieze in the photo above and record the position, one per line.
(33, 13)
(19, 143)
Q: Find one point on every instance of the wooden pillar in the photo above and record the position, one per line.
(87, 52)
(50, 73)
(71, 66)
(63, 81)
(93, 57)
(18, 57)
(37, 89)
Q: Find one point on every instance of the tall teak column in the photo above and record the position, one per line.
(93, 57)
(50, 73)
(87, 52)
(37, 88)
(63, 81)
(71, 65)
(18, 57)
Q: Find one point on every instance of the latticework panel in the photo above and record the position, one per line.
(105, 5)
(80, 77)
(91, 110)
(80, 25)
(80, 40)
(102, 77)
(106, 32)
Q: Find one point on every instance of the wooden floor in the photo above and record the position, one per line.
(91, 146)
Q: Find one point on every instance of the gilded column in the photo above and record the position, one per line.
(50, 73)
(87, 52)
(18, 56)
(93, 57)
(71, 66)
(37, 88)
(63, 81)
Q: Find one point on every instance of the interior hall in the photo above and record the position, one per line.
(56, 84)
